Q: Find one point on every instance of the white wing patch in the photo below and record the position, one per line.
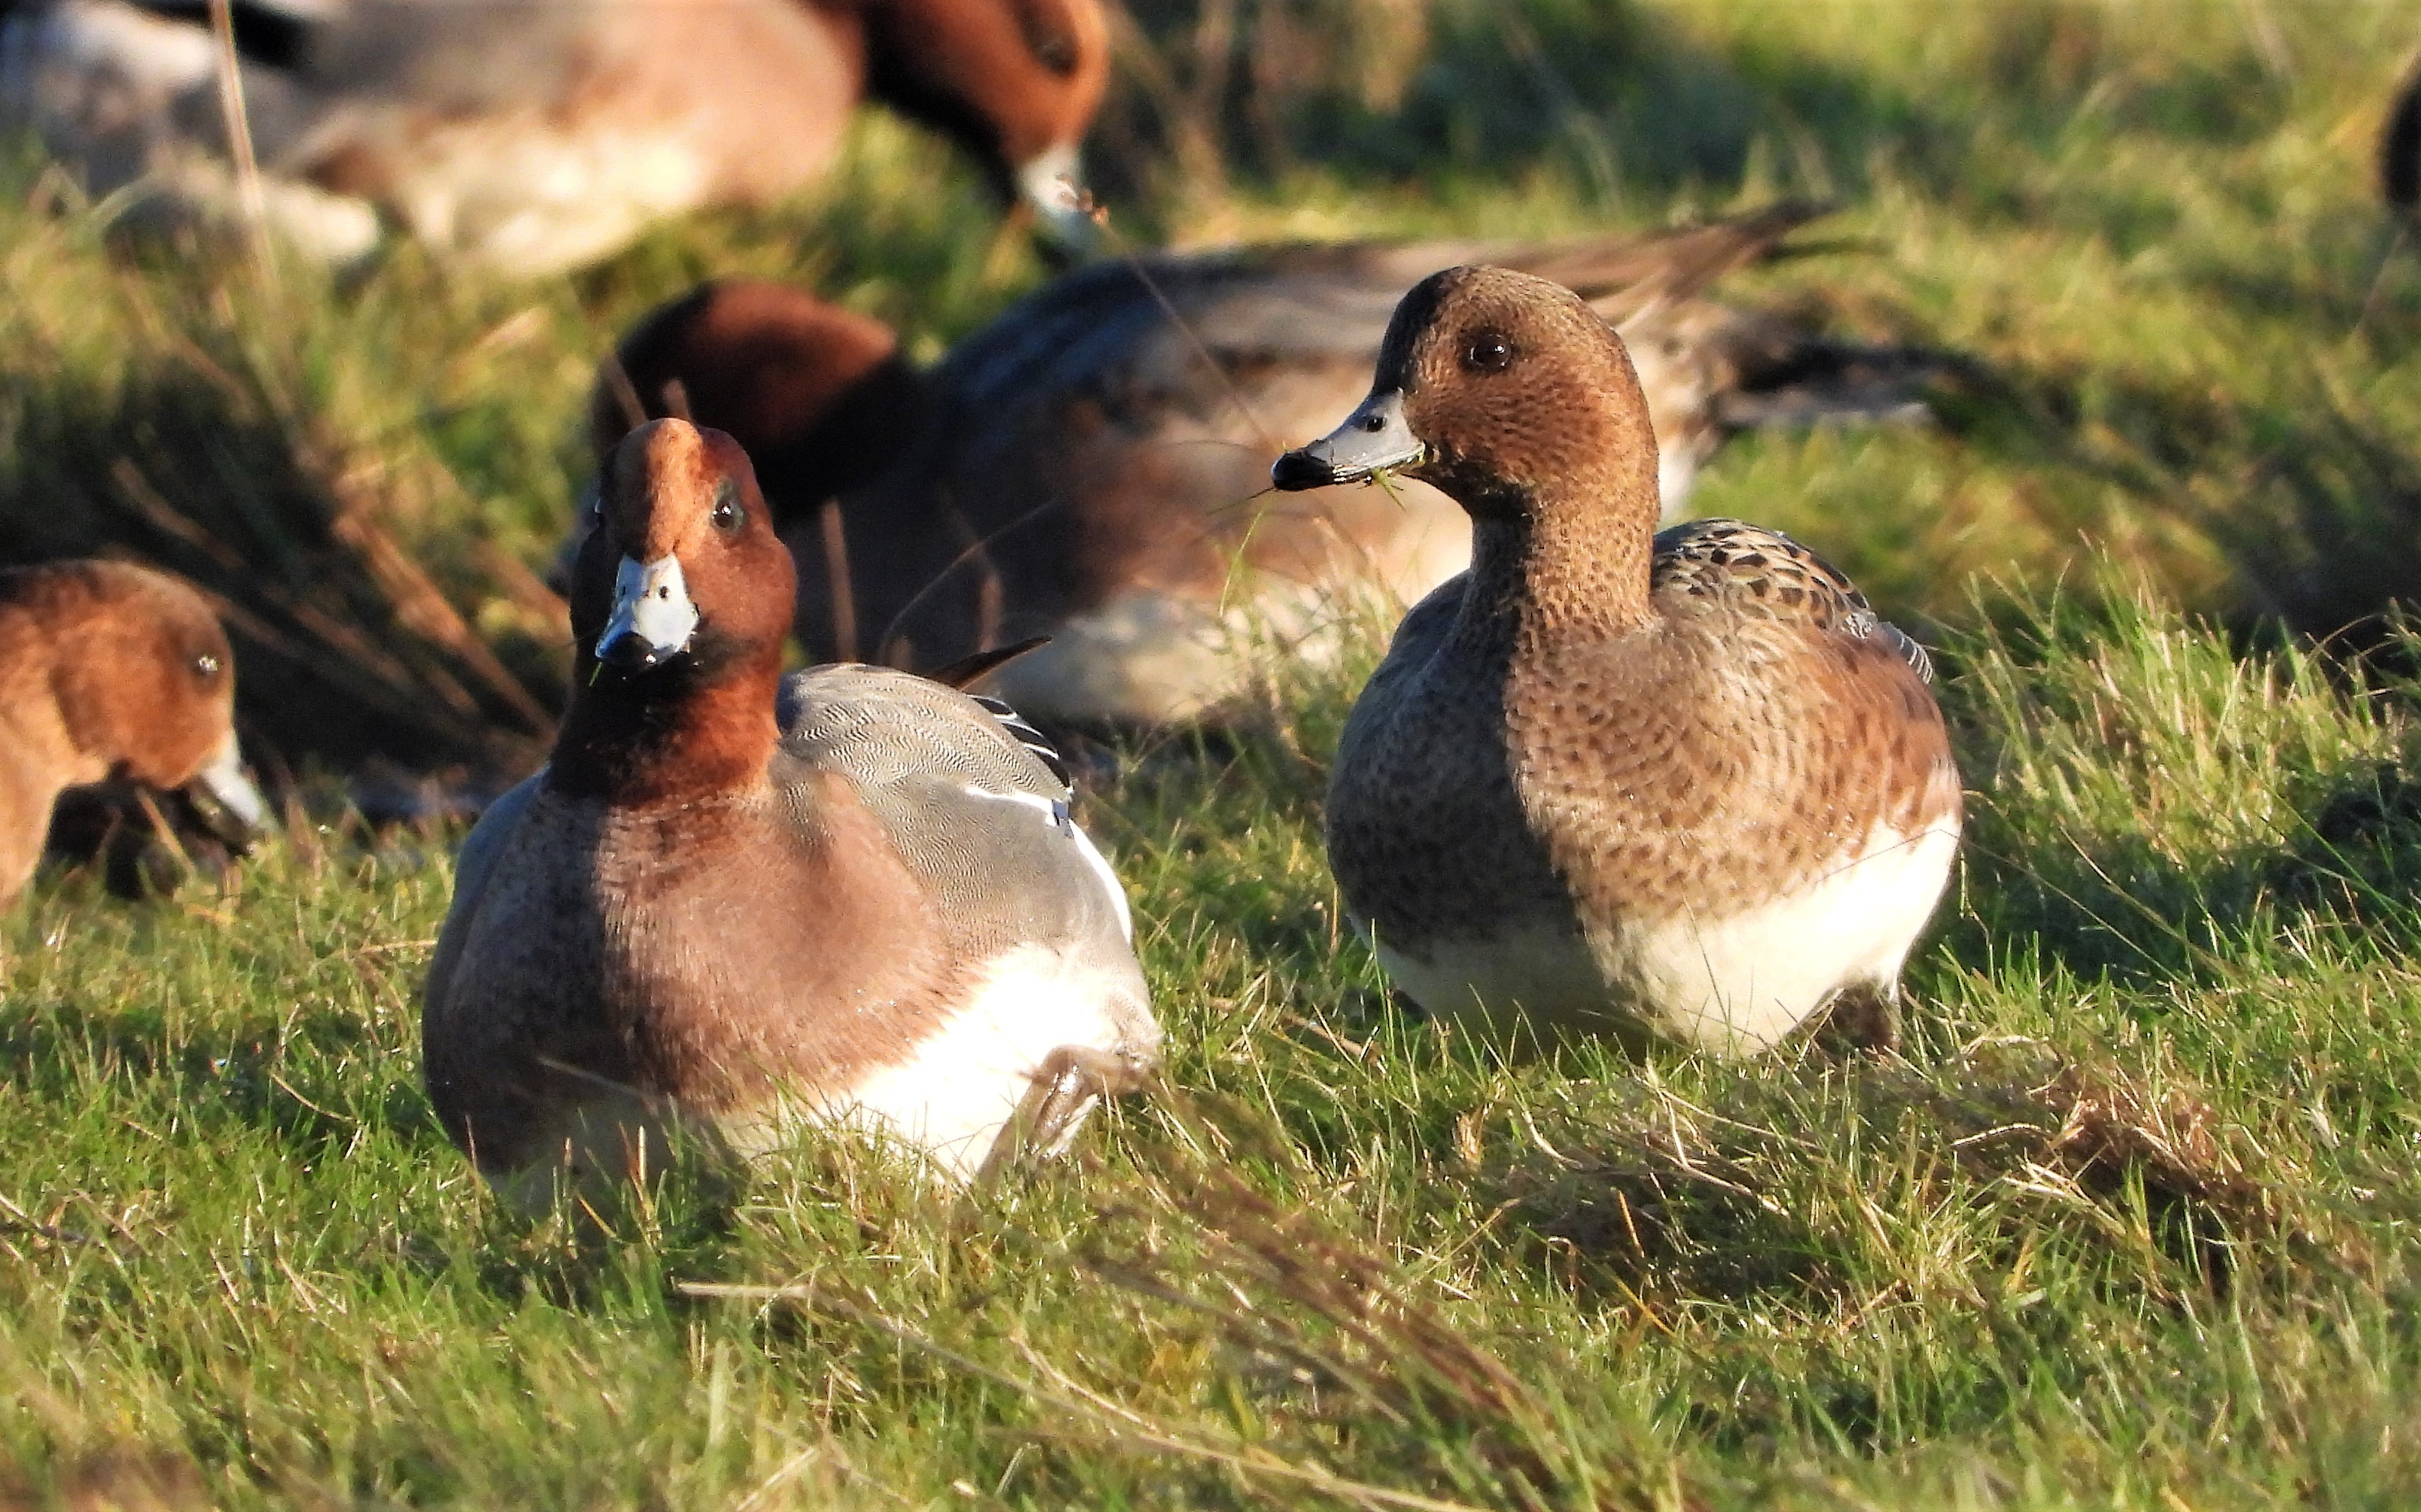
(1056, 815)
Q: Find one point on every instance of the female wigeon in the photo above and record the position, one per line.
(730, 898)
(1093, 464)
(109, 671)
(1687, 785)
(531, 137)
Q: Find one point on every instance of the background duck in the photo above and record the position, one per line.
(2400, 148)
(1092, 465)
(1689, 786)
(109, 671)
(730, 897)
(532, 136)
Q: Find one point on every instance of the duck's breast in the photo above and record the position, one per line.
(712, 955)
(1425, 827)
(1752, 814)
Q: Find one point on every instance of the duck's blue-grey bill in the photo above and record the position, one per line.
(224, 780)
(653, 616)
(1374, 436)
(1053, 184)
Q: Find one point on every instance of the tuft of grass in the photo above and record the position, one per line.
(2122, 1226)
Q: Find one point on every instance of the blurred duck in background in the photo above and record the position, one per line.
(1093, 464)
(533, 136)
(109, 673)
(2400, 148)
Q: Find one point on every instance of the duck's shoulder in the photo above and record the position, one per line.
(879, 726)
(1729, 567)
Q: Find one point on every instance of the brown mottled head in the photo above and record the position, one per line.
(821, 399)
(1016, 81)
(681, 568)
(142, 673)
(1504, 391)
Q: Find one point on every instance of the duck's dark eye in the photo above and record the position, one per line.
(729, 516)
(1056, 54)
(1487, 353)
(206, 666)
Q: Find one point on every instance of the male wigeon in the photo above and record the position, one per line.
(732, 898)
(530, 135)
(1686, 784)
(1093, 464)
(109, 671)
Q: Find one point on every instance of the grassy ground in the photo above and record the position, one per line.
(2132, 1225)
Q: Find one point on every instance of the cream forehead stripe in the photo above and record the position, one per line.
(651, 601)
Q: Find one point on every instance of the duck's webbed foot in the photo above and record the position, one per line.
(1864, 1016)
(1072, 1081)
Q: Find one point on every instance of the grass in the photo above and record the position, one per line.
(2130, 1224)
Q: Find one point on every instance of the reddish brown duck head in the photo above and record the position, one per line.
(821, 398)
(1017, 81)
(1504, 391)
(110, 671)
(144, 675)
(680, 600)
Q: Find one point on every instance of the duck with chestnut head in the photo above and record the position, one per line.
(533, 136)
(1684, 785)
(110, 673)
(733, 899)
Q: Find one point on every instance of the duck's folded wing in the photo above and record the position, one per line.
(1143, 324)
(976, 813)
(1729, 566)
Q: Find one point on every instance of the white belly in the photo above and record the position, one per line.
(1741, 984)
(1733, 984)
(959, 1087)
(525, 197)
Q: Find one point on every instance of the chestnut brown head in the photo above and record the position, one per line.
(1016, 81)
(681, 568)
(143, 675)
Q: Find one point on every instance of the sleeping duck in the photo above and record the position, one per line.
(532, 135)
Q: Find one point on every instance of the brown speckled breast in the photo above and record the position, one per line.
(1726, 753)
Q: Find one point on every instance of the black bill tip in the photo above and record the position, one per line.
(1299, 469)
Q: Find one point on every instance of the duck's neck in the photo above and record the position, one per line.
(1574, 573)
(674, 734)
